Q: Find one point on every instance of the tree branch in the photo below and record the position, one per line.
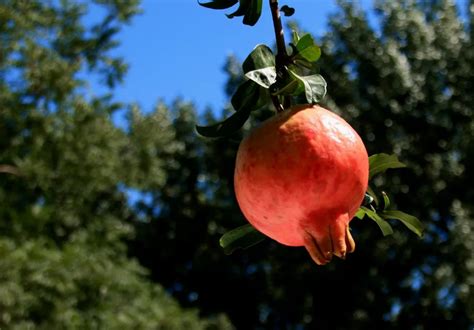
(282, 55)
(4, 168)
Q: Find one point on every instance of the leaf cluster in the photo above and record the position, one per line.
(378, 164)
(265, 80)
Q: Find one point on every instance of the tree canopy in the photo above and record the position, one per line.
(64, 213)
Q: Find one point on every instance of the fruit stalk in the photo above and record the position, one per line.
(282, 55)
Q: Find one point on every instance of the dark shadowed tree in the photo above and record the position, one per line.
(402, 76)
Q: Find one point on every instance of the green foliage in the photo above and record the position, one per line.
(65, 219)
(408, 220)
(289, 77)
(404, 91)
(306, 49)
(383, 225)
(227, 127)
(261, 57)
(249, 95)
(78, 286)
(314, 87)
(242, 237)
(264, 82)
(259, 68)
(379, 163)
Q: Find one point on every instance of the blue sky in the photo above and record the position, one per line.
(178, 48)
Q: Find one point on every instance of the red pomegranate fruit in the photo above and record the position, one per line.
(299, 179)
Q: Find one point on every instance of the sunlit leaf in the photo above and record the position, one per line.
(315, 87)
(360, 213)
(218, 4)
(308, 49)
(408, 220)
(261, 57)
(264, 77)
(227, 127)
(383, 225)
(379, 163)
(242, 237)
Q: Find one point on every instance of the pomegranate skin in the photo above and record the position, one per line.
(299, 179)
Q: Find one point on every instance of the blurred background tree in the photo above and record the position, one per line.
(401, 75)
(65, 218)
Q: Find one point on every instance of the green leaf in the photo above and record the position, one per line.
(242, 237)
(218, 4)
(264, 77)
(386, 201)
(249, 96)
(227, 127)
(308, 49)
(379, 163)
(253, 13)
(261, 57)
(243, 8)
(373, 194)
(287, 10)
(383, 225)
(315, 87)
(287, 85)
(408, 220)
(360, 213)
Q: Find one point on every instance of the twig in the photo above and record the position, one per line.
(282, 55)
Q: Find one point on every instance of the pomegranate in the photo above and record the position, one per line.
(299, 179)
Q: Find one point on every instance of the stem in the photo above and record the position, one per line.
(282, 55)
(279, 34)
